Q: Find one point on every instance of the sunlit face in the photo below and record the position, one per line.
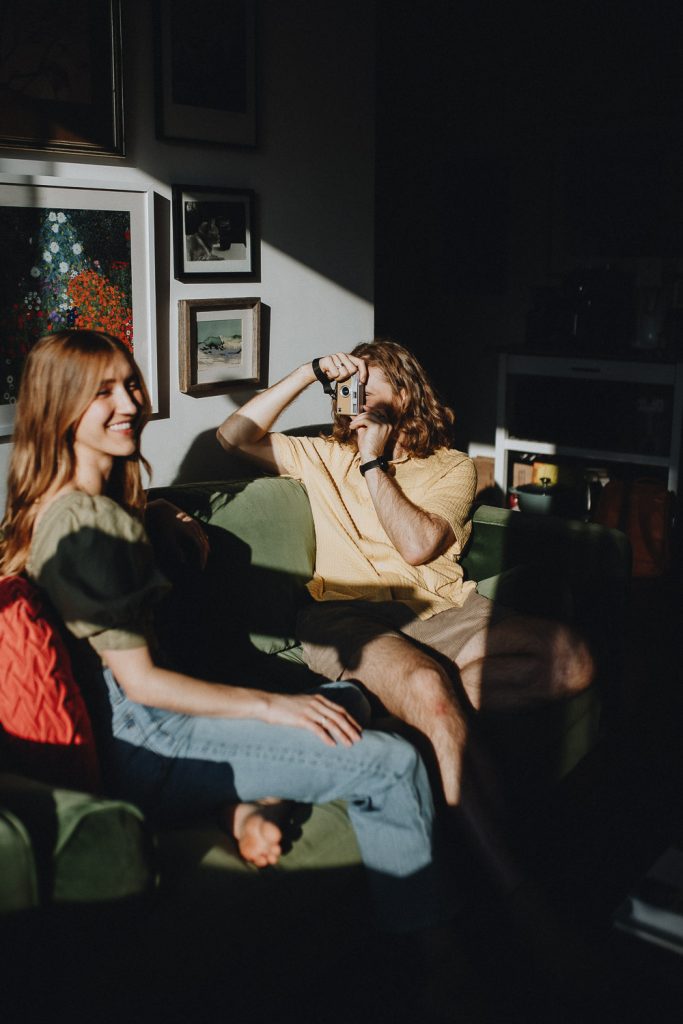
(380, 395)
(109, 427)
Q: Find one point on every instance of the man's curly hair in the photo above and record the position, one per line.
(426, 424)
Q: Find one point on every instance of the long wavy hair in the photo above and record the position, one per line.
(61, 377)
(426, 423)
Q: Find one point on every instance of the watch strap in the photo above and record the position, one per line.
(327, 387)
(380, 463)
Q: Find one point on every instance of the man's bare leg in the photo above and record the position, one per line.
(418, 690)
(519, 661)
(522, 661)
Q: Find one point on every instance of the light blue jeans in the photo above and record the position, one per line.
(180, 767)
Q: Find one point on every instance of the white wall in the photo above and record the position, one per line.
(312, 172)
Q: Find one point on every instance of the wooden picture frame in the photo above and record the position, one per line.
(214, 237)
(61, 84)
(206, 71)
(219, 344)
(76, 255)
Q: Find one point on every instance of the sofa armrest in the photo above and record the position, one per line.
(84, 848)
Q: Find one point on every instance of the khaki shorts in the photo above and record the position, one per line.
(333, 633)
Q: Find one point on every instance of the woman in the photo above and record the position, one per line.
(178, 746)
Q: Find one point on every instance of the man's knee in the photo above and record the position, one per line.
(572, 667)
(433, 691)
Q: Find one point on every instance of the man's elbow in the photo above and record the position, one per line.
(224, 440)
(421, 554)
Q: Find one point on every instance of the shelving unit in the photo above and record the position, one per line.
(589, 410)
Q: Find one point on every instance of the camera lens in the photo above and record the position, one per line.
(345, 391)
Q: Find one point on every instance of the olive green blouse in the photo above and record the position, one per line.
(96, 564)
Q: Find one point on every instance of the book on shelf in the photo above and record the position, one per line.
(654, 909)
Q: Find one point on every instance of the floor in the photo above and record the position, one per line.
(622, 808)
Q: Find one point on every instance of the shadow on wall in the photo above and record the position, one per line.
(205, 460)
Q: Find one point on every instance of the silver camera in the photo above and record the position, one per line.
(350, 397)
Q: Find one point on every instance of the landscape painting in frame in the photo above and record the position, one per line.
(219, 344)
(72, 258)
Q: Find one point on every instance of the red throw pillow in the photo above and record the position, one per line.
(47, 730)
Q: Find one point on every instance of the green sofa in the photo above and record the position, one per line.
(236, 622)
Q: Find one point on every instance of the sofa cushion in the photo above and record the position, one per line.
(18, 879)
(86, 848)
(46, 727)
(263, 553)
(201, 861)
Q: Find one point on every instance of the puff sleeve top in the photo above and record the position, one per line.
(96, 564)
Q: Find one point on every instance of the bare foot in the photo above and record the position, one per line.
(257, 832)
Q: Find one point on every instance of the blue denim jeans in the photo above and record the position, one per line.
(179, 767)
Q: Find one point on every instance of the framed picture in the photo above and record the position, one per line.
(213, 234)
(60, 76)
(220, 344)
(74, 256)
(206, 80)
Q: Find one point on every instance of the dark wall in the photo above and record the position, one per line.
(514, 143)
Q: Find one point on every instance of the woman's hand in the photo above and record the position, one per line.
(175, 535)
(329, 721)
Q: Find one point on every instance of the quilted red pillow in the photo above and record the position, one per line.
(46, 726)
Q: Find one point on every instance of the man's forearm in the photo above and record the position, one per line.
(418, 536)
(249, 424)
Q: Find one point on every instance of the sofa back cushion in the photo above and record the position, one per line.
(262, 553)
(46, 729)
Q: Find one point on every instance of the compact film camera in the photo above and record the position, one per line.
(350, 397)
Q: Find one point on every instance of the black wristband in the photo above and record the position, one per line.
(380, 463)
(327, 387)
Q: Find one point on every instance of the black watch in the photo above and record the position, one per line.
(380, 463)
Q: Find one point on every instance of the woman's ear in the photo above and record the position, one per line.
(403, 396)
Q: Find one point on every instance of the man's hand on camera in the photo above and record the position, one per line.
(373, 431)
(342, 365)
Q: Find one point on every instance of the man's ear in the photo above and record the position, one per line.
(403, 396)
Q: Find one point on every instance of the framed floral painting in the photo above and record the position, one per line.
(73, 256)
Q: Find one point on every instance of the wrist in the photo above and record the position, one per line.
(379, 463)
(305, 374)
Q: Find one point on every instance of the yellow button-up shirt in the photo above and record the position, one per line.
(354, 556)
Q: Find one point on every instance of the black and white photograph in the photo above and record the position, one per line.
(213, 234)
(219, 344)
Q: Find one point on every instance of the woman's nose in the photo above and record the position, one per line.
(125, 401)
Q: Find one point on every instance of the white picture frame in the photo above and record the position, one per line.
(103, 237)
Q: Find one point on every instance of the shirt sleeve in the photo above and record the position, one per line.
(451, 497)
(289, 453)
(96, 565)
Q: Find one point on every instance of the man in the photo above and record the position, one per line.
(391, 503)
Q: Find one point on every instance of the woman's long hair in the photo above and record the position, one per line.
(426, 423)
(61, 377)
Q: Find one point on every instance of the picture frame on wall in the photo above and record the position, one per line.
(77, 255)
(61, 85)
(206, 71)
(219, 344)
(214, 237)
